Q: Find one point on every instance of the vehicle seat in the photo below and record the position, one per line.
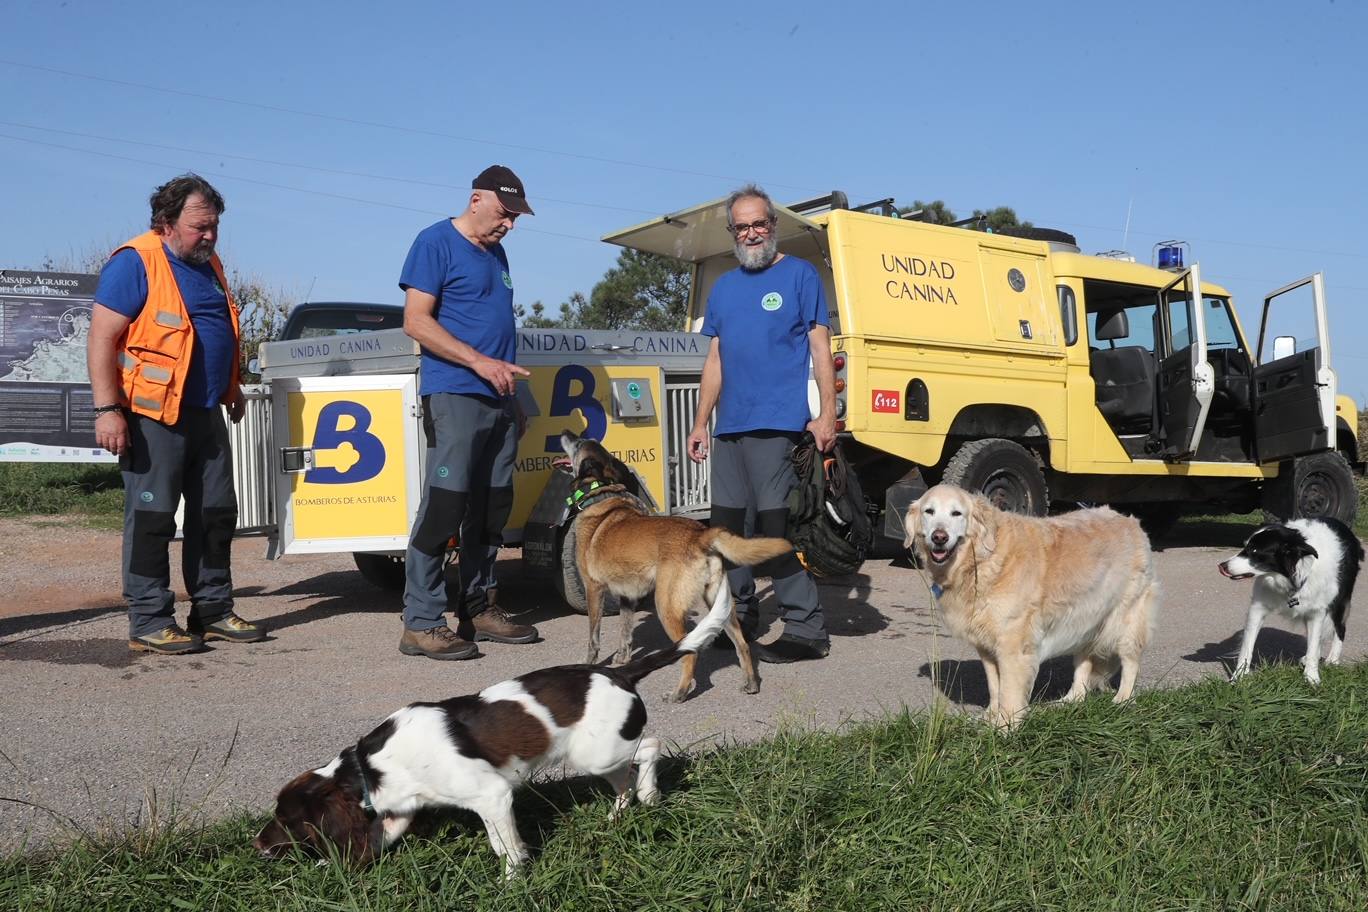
(1124, 377)
(1230, 401)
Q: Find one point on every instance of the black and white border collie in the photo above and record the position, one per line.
(1304, 570)
(471, 751)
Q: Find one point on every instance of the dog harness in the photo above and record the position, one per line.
(591, 492)
(366, 804)
(581, 497)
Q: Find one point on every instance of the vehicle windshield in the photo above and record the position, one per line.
(339, 321)
(1220, 325)
(1140, 306)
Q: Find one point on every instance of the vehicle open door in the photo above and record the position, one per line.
(1294, 391)
(1186, 380)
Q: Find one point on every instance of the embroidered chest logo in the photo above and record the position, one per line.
(772, 301)
(508, 279)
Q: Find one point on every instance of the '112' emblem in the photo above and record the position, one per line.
(886, 401)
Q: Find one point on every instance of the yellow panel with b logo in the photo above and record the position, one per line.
(361, 486)
(580, 398)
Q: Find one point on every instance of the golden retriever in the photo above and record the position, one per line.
(1022, 589)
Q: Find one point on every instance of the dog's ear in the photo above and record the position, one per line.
(912, 522)
(614, 472)
(982, 520)
(343, 823)
(1293, 554)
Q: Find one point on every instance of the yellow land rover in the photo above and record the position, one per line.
(1019, 367)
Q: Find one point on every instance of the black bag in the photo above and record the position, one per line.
(827, 522)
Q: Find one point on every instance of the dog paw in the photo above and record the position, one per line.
(750, 687)
(679, 696)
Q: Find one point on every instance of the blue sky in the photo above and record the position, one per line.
(336, 131)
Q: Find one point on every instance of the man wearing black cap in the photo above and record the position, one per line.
(458, 306)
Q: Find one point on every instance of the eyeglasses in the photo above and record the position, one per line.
(762, 226)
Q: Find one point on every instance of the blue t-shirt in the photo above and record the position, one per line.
(474, 295)
(123, 288)
(761, 321)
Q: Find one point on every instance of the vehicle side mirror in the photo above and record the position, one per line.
(1284, 346)
(254, 366)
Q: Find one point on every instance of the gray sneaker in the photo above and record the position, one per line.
(437, 643)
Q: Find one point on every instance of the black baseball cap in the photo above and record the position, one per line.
(506, 186)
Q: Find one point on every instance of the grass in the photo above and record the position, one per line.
(93, 491)
(1206, 797)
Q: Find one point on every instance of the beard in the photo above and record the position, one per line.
(760, 256)
(197, 256)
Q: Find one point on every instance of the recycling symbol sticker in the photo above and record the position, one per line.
(634, 390)
(772, 301)
(508, 279)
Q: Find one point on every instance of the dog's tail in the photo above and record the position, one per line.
(708, 628)
(744, 552)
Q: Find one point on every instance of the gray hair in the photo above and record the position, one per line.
(751, 191)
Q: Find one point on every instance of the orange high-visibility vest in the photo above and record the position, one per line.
(154, 351)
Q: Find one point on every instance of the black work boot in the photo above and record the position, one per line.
(789, 648)
(494, 624)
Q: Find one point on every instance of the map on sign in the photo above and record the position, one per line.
(57, 348)
(45, 400)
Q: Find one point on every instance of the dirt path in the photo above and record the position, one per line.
(96, 737)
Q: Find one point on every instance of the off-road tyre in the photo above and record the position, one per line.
(1038, 234)
(568, 583)
(1313, 487)
(384, 571)
(1002, 470)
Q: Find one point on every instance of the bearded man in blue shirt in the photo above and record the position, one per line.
(768, 320)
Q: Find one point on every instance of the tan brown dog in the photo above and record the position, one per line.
(622, 550)
(1022, 589)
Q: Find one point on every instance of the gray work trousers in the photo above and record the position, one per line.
(751, 481)
(163, 463)
(472, 443)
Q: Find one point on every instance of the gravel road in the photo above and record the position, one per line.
(94, 738)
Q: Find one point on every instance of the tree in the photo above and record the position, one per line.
(537, 318)
(935, 212)
(261, 315)
(641, 291)
(999, 218)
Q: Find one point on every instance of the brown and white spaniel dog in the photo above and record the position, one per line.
(471, 751)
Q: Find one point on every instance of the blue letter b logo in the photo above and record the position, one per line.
(370, 452)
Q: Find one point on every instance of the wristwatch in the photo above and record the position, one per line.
(101, 409)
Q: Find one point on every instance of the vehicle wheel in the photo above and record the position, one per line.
(568, 582)
(1315, 487)
(1004, 471)
(385, 571)
(1038, 234)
